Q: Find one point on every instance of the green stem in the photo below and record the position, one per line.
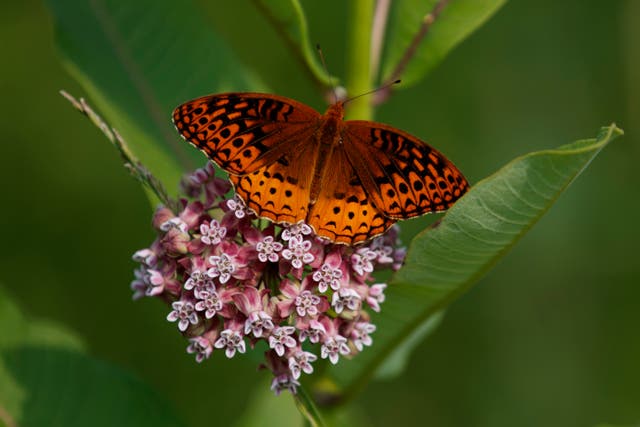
(308, 409)
(359, 79)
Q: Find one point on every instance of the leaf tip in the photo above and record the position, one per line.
(610, 132)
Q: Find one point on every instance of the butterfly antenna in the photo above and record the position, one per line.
(326, 70)
(379, 89)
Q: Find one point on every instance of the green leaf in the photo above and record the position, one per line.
(61, 388)
(138, 61)
(288, 19)
(398, 359)
(46, 381)
(458, 19)
(18, 329)
(445, 260)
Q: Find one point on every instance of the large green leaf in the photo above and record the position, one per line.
(45, 380)
(18, 329)
(62, 388)
(139, 60)
(458, 19)
(445, 260)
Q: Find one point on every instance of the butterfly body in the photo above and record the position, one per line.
(326, 138)
(349, 180)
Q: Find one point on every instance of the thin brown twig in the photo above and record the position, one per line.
(131, 163)
(427, 22)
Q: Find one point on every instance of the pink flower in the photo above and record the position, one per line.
(334, 345)
(376, 296)
(300, 361)
(268, 249)
(201, 347)
(148, 282)
(223, 267)
(361, 261)
(298, 252)
(209, 302)
(212, 233)
(199, 281)
(281, 337)
(284, 382)
(360, 334)
(238, 207)
(230, 263)
(296, 231)
(184, 312)
(314, 330)
(176, 223)
(250, 302)
(155, 281)
(345, 297)
(300, 297)
(146, 256)
(231, 339)
(332, 274)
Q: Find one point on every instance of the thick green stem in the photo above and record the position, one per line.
(359, 78)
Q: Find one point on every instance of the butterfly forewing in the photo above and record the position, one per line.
(243, 132)
(403, 176)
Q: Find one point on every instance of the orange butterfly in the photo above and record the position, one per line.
(349, 180)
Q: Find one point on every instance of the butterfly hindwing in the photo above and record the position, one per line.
(280, 191)
(343, 212)
(243, 132)
(403, 176)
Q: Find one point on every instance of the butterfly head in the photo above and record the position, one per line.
(335, 111)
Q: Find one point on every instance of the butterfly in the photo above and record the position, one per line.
(349, 180)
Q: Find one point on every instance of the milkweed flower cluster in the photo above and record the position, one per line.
(231, 282)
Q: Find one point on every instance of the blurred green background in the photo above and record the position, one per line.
(549, 337)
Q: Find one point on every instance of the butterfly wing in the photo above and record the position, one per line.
(343, 212)
(243, 132)
(403, 176)
(280, 191)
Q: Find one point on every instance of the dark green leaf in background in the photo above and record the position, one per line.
(63, 388)
(18, 330)
(138, 61)
(458, 20)
(288, 19)
(45, 380)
